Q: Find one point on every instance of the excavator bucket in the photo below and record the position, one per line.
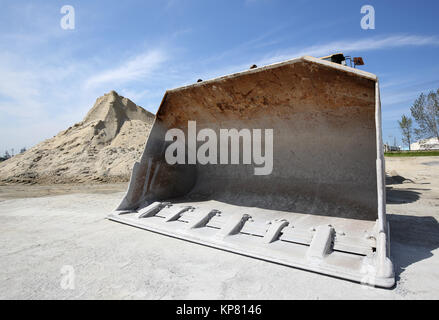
(283, 163)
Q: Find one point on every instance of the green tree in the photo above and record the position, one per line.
(425, 111)
(406, 129)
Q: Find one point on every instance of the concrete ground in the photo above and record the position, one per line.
(46, 238)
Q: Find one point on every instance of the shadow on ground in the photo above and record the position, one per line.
(398, 196)
(412, 239)
(394, 178)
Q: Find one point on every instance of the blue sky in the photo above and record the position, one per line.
(51, 76)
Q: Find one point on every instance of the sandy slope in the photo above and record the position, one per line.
(103, 147)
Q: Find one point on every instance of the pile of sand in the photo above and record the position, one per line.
(103, 147)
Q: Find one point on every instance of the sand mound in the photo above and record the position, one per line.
(103, 147)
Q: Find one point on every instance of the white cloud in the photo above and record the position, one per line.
(368, 44)
(134, 95)
(137, 68)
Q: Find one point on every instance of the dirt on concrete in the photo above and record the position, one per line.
(101, 148)
(17, 191)
(44, 238)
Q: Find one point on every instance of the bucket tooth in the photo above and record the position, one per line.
(234, 225)
(322, 242)
(152, 209)
(202, 218)
(274, 230)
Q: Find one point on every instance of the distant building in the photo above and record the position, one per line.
(426, 144)
(389, 148)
